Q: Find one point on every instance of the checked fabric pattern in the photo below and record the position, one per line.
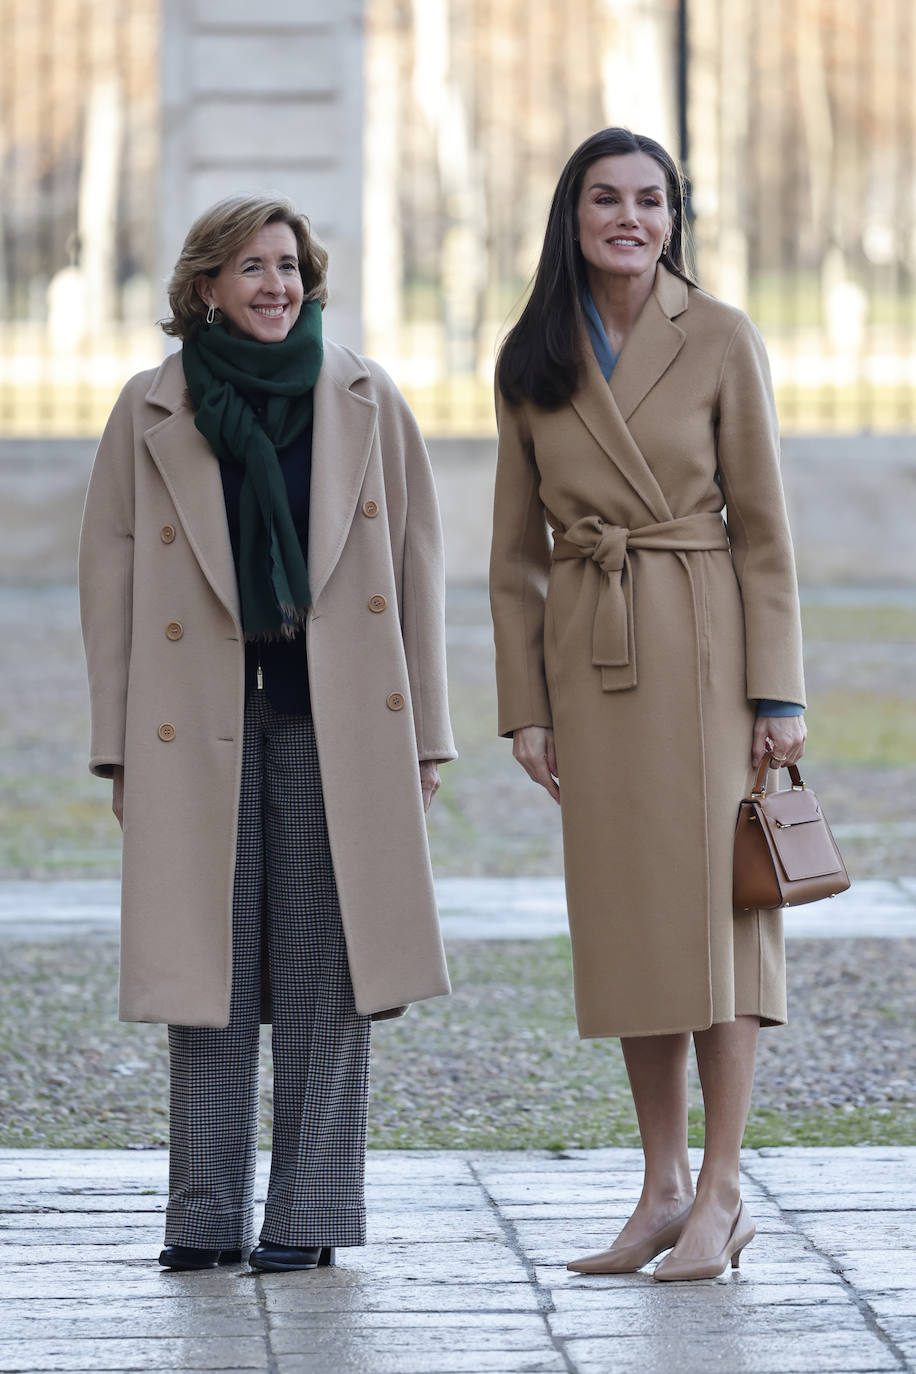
(283, 875)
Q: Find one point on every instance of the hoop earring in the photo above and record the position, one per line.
(211, 313)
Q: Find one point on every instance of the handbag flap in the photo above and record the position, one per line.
(792, 808)
(800, 834)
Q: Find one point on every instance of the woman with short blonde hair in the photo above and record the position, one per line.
(218, 234)
(261, 588)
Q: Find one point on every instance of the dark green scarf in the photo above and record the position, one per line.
(228, 377)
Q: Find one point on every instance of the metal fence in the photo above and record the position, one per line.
(799, 125)
(802, 151)
(798, 120)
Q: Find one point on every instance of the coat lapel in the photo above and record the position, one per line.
(344, 426)
(597, 408)
(653, 345)
(651, 348)
(190, 472)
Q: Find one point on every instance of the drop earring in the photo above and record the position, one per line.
(211, 313)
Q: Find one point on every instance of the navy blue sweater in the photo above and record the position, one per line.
(283, 663)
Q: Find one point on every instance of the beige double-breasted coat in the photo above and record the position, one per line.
(643, 632)
(165, 653)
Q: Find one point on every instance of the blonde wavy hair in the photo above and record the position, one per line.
(219, 233)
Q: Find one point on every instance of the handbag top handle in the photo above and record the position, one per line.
(760, 782)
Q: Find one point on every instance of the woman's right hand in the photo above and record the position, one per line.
(533, 746)
(117, 792)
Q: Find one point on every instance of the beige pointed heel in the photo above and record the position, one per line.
(672, 1270)
(626, 1259)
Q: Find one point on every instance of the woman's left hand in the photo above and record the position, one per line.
(783, 736)
(429, 781)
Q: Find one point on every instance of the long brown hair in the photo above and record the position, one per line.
(539, 359)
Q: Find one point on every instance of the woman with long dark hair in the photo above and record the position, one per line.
(648, 655)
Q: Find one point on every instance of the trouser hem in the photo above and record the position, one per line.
(315, 1226)
(207, 1231)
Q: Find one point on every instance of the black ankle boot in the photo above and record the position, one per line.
(192, 1257)
(269, 1256)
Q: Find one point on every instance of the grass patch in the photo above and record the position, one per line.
(845, 1125)
(863, 728)
(489, 819)
(863, 624)
(50, 828)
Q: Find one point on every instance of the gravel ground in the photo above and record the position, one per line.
(498, 1065)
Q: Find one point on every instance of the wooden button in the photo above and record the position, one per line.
(174, 630)
(377, 603)
(395, 702)
(167, 534)
(370, 508)
(166, 733)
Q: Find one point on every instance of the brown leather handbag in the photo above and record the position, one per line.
(785, 854)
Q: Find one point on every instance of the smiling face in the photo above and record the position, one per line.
(623, 215)
(259, 290)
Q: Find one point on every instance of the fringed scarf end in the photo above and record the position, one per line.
(294, 619)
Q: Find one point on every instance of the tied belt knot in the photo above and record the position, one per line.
(613, 632)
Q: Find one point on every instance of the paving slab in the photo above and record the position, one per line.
(764, 1353)
(421, 1361)
(465, 1273)
(186, 1352)
(97, 1319)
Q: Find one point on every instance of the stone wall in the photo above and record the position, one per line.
(852, 504)
(267, 97)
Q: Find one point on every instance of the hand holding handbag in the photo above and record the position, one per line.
(785, 854)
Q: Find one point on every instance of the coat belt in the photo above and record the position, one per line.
(613, 632)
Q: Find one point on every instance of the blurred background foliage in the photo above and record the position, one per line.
(799, 127)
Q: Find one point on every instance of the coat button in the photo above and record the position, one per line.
(174, 630)
(167, 534)
(395, 702)
(166, 733)
(377, 603)
(370, 508)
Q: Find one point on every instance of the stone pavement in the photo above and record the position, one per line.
(464, 1273)
(470, 909)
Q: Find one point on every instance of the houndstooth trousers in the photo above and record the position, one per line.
(320, 1042)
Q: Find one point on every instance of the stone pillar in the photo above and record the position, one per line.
(267, 97)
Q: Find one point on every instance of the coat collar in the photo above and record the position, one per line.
(604, 409)
(342, 431)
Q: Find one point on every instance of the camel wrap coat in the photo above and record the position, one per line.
(165, 653)
(644, 632)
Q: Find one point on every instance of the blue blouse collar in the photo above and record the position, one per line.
(607, 358)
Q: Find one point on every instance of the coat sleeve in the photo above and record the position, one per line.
(106, 563)
(758, 527)
(423, 582)
(519, 570)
